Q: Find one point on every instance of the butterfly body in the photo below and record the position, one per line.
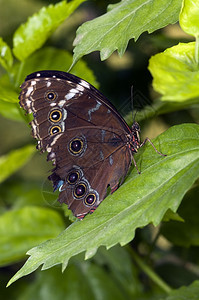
(89, 143)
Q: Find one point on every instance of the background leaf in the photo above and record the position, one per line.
(189, 17)
(175, 73)
(24, 228)
(46, 59)
(133, 205)
(50, 58)
(185, 233)
(99, 282)
(14, 160)
(33, 34)
(6, 59)
(186, 292)
(10, 111)
(123, 21)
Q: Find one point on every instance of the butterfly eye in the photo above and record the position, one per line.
(55, 115)
(80, 190)
(90, 199)
(55, 129)
(73, 177)
(77, 146)
(51, 96)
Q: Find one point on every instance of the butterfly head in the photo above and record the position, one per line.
(136, 127)
(134, 137)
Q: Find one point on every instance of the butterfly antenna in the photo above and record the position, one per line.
(132, 105)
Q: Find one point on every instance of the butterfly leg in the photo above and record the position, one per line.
(114, 188)
(148, 140)
(135, 164)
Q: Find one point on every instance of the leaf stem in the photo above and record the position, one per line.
(19, 74)
(151, 274)
(197, 50)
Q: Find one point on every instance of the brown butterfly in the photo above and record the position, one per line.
(88, 141)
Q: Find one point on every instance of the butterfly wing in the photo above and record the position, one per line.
(84, 134)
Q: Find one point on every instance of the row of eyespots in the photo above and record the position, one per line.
(55, 115)
(81, 188)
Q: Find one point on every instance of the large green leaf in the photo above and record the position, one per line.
(141, 200)
(23, 228)
(124, 21)
(14, 160)
(175, 73)
(33, 34)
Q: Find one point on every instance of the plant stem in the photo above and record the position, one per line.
(152, 275)
(19, 74)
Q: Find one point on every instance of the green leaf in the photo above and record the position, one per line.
(6, 59)
(11, 162)
(190, 292)
(18, 193)
(10, 111)
(175, 73)
(189, 17)
(159, 107)
(32, 35)
(97, 284)
(9, 107)
(23, 228)
(141, 200)
(45, 59)
(170, 215)
(119, 266)
(7, 90)
(123, 21)
(185, 234)
(50, 58)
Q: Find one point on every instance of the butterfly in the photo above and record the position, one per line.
(90, 144)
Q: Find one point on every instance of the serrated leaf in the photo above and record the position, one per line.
(23, 228)
(190, 292)
(175, 73)
(14, 160)
(6, 59)
(170, 215)
(123, 21)
(189, 17)
(141, 200)
(32, 35)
